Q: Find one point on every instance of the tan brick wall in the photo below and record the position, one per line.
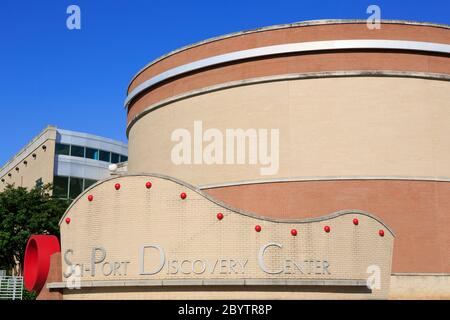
(122, 221)
(40, 167)
(420, 286)
(416, 210)
(356, 126)
(376, 60)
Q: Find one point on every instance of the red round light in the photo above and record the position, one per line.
(294, 232)
(67, 220)
(355, 222)
(117, 186)
(148, 185)
(381, 233)
(90, 197)
(220, 216)
(183, 195)
(258, 228)
(327, 229)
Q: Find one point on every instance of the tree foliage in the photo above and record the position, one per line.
(24, 213)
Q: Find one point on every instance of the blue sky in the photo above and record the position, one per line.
(77, 79)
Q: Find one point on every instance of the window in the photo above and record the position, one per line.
(91, 153)
(75, 187)
(70, 187)
(63, 149)
(88, 183)
(39, 183)
(61, 187)
(105, 156)
(76, 151)
(115, 158)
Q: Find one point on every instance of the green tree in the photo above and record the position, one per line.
(24, 213)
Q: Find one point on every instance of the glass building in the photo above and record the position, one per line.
(72, 161)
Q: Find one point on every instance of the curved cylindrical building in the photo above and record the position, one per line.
(363, 118)
(309, 160)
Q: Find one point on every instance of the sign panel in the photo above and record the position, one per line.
(124, 233)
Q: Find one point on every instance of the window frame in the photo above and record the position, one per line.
(65, 145)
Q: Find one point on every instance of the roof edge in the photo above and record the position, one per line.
(32, 144)
(280, 26)
(91, 136)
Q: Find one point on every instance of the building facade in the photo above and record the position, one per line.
(305, 160)
(71, 161)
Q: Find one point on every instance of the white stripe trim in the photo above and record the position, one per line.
(288, 48)
(325, 178)
(308, 23)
